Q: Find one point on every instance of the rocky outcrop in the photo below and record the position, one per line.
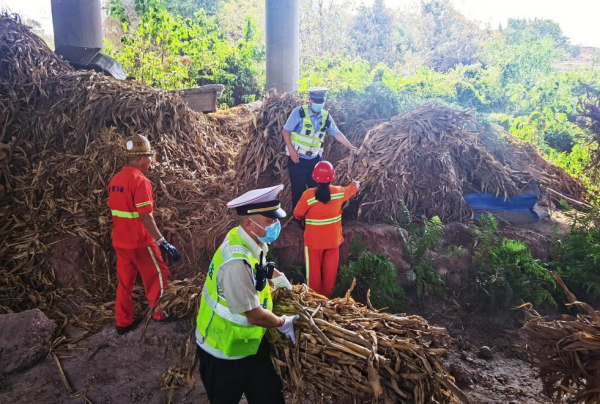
(24, 339)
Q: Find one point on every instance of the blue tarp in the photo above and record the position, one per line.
(518, 208)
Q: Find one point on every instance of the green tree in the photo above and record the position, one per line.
(172, 52)
(522, 30)
(325, 30)
(374, 33)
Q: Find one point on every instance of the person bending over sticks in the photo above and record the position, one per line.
(235, 307)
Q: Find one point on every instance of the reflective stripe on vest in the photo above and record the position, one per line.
(126, 215)
(309, 139)
(333, 197)
(223, 311)
(220, 332)
(323, 222)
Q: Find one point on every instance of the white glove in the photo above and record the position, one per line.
(281, 282)
(357, 182)
(287, 328)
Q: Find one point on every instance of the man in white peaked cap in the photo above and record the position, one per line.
(236, 304)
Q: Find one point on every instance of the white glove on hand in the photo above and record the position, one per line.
(357, 182)
(287, 328)
(281, 282)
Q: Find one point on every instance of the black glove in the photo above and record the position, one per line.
(169, 249)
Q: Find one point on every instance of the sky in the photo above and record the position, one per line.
(577, 18)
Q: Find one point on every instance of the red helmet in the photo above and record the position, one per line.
(323, 172)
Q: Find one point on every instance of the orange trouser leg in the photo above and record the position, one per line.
(155, 275)
(313, 259)
(126, 273)
(329, 269)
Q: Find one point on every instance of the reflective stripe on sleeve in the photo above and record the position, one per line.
(126, 215)
(139, 205)
(322, 222)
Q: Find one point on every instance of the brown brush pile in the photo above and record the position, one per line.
(524, 162)
(344, 350)
(347, 351)
(61, 142)
(428, 158)
(567, 352)
(262, 161)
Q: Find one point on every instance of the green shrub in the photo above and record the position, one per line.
(577, 254)
(424, 244)
(504, 272)
(372, 272)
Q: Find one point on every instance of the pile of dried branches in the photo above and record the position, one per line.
(347, 351)
(567, 352)
(524, 162)
(61, 141)
(261, 161)
(428, 158)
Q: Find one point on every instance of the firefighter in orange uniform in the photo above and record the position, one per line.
(321, 208)
(135, 236)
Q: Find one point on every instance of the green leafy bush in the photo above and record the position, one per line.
(424, 244)
(577, 254)
(169, 51)
(372, 272)
(504, 272)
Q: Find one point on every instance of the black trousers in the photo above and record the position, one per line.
(301, 177)
(226, 380)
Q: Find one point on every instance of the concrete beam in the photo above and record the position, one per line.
(283, 47)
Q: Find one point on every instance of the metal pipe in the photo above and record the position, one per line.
(283, 50)
(77, 23)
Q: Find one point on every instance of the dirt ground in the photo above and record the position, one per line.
(506, 376)
(107, 368)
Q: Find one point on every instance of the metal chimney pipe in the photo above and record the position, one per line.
(77, 23)
(283, 50)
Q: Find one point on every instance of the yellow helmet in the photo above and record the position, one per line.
(138, 145)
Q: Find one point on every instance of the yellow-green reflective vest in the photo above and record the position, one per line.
(220, 332)
(310, 141)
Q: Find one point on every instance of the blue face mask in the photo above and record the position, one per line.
(271, 232)
(316, 107)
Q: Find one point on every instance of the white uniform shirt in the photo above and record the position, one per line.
(235, 279)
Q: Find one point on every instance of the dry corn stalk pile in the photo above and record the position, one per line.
(524, 162)
(60, 143)
(262, 161)
(428, 158)
(431, 156)
(346, 351)
(567, 352)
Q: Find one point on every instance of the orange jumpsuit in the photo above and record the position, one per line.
(323, 235)
(129, 194)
